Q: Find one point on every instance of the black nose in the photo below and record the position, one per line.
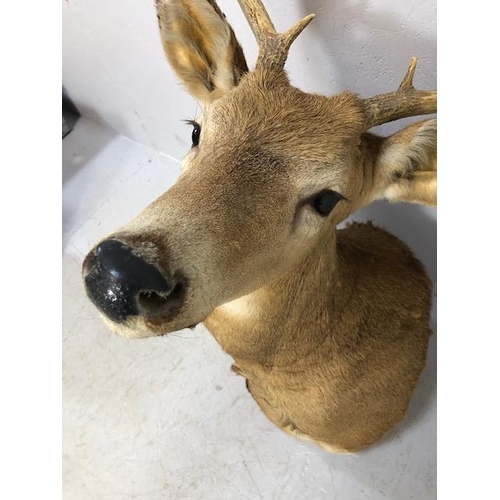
(121, 284)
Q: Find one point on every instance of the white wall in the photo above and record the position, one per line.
(115, 71)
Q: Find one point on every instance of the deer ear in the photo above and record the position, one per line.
(200, 46)
(406, 167)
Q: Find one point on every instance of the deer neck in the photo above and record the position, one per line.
(283, 321)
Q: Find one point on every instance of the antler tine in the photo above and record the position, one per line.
(291, 34)
(402, 103)
(257, 18)
(273, 46)
(410, 72)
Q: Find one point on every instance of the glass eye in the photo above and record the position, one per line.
(325, 202)
(195, 136)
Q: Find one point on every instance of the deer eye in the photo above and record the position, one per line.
(325, 201)
(195, 136)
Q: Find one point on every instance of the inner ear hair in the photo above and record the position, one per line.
(406, 168)
(200, 46)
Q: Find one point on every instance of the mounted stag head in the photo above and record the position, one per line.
(329, 327)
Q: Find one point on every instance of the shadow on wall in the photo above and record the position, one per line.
(88, 140)
(96, 142)
(73, 159)
(368, 51)
(79, 147)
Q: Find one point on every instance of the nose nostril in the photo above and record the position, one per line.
(155, 303)
(152, 301)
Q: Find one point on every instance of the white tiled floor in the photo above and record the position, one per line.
(165, 418)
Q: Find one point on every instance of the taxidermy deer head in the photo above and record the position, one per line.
(246, 239)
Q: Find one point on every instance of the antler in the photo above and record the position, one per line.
(404, 102)
(273, 46)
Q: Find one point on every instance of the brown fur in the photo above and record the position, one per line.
(339, 374)
(329, 327)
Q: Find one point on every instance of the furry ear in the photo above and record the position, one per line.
(200, 46)
(406, 167)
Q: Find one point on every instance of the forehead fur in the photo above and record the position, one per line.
(265, 109)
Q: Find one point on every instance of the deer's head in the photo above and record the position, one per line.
(271, 170)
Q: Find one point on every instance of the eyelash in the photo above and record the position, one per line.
(195, 136)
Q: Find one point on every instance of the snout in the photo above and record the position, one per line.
(122, 284)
